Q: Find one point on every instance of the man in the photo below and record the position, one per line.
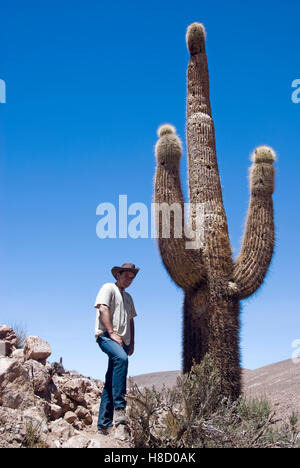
(114, 331)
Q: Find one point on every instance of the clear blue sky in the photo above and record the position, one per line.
(88, 83)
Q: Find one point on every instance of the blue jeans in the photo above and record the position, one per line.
(113, 395)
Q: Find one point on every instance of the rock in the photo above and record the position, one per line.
(9, 337)
(77, 441)
(88, 420)
(75, 389)
(92, 388)
(83, 441)
(70, 417)
(61, 430)
(2, 348)
(67, 404)
(55, 411)
(36, 418)
(95, 442)
(52, 442)
(84, 414)
(39, 376)
(81, 412)
(121, 432)
(16, 390)
(58, 368)
(18, 354)
(43, 405)
(7, 334)
(20, 428)
(12, 428)
(37, 349)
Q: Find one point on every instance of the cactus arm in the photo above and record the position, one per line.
(204, 179)
(184, 265)
(253, 261)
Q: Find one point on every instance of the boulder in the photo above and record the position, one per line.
(37, 349)
(2, 348)
(18, 354)
(84, 415)
(55, 411)
(9, 337)
(75, 389)
(70, 417)
(16, 390)
(58, 368)
(67, 404)
(39, 376)
(61, 430)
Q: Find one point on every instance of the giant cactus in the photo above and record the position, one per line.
(212, 282)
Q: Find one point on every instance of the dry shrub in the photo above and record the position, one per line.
(195, 414)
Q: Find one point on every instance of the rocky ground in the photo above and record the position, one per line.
(42, 404)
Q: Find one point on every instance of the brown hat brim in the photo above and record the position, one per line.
(117, 269)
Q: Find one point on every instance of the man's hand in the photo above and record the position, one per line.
(114, 336)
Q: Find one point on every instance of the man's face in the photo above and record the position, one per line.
(125, 279)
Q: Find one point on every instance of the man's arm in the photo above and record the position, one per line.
(106, 320)
(131, 346)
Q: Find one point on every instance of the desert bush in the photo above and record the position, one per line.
(194, 414)
(32, 437)
(21, 333)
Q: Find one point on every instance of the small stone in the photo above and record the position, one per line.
(70, 417)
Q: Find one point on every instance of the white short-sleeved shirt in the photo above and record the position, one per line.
(121, 308)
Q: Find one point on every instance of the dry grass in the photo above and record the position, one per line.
(194, 414)
(32, 437)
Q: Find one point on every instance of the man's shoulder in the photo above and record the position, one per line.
(109, 285)
(107, 288)
(105, 295)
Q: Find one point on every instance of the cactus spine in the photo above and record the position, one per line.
(212, 282)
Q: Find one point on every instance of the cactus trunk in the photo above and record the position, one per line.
(214, 329)
(212, 282)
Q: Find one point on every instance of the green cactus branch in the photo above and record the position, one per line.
(212, 282)
(185, 266)
(252, 264)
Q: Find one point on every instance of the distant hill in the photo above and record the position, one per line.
(279, 382)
